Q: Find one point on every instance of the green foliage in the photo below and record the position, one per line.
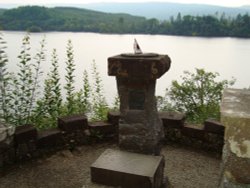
(163, 104)
(20, 91)
(69, 77)
(198, 95)
(4, 83)
(23, 82)
(40, 58)
(50, 106)
(56, 89)
(82, 99)
(99, 104)
(116, 104)
(36, 19)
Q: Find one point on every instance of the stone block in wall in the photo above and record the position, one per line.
(3, 149)
(193, 131)
(172, 119)
(49, 138)
(213, 126)
(73, 123)
(113, 117)
(24, 134)
(6, 133)
(102, 127)
(235, 116)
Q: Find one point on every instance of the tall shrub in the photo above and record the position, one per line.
(39, 58)
(99, 104)
(22, 83)
(49, 107)
(69, 77)
(82, 98)
(198, 95)
(4, 83)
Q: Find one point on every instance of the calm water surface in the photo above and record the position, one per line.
(230, 57)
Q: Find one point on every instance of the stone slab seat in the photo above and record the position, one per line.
(193, 131)
(128, 170)
(113, 117)
(49, 138)
(24, 134)
(73, 123)
(213, 126)
(172, 119)
(102, 127)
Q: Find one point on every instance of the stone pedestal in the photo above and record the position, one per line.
(235, 115)
(140, 128)
(128, 170)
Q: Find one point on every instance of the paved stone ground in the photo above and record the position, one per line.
(185, 168)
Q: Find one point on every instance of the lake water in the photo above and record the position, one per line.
(230, 57)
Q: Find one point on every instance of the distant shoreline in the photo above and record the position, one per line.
(41, 19)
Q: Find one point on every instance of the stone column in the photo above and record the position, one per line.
(235, 115)
(140, 129)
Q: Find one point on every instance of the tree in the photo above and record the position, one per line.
(198, 95)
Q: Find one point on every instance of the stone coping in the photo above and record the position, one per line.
(236, 103)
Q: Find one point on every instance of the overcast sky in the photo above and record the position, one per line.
(230, 3)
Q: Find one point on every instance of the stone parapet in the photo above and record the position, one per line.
(235, 115)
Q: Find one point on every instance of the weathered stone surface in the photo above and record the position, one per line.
(193, 131)
(6, 133)
(128, 170)
(139, 132)
(49, 138)
(172, 119)
(213, 126)
(113, 117)
(3, 134)
(140, 128)
(73, 123)
(238, 170)
(148, 117)
(235, 115)
(150, 67)
(25, 133)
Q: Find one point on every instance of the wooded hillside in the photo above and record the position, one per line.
(37, 19)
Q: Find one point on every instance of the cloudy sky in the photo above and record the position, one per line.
(229, 3)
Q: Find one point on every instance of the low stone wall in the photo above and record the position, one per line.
(235, 115)
(26, 142)
(209, 136)
(6, 145)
